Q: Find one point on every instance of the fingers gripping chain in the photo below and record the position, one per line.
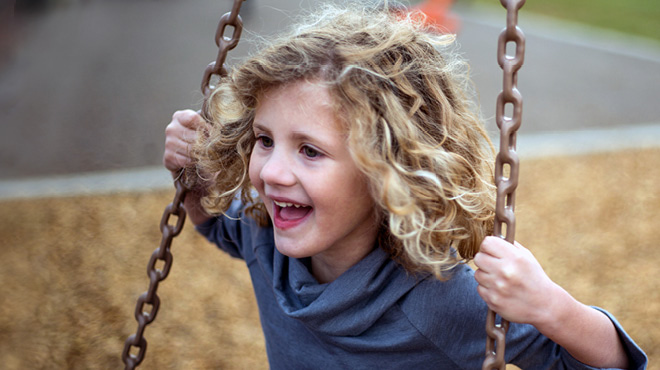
(506, 164)
(149, 302)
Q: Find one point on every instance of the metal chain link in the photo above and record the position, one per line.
(156, 275)
(182, 184)
(218, 68)
(506, 164)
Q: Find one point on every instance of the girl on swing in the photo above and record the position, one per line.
(347, 165)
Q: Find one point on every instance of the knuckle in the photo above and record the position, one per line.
(493, 301)
(169, 143)
(508, 272)
(478, 276)
(501, 286)
(483, 293)
(172, 129)
(169, 158)
(189, 118)
(511, 275)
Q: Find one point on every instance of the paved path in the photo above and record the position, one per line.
(573, 77)
(91, 88)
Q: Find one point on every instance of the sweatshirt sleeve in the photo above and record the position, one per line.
(452, 315)
(226, 230)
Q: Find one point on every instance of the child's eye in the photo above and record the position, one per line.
(310, 152)
(266, 142)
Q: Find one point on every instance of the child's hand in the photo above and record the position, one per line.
(514, 285)
(179, 134)
(512, 282)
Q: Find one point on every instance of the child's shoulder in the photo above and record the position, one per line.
(437, 307)
(458, 292)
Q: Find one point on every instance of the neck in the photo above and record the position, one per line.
(327, 269)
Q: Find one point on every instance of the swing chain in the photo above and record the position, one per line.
(150, 299)
(156, 275)
(218, 68)
(506, 163)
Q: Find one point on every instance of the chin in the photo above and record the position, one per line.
(292, 251)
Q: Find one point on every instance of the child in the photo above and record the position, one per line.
(348, 167)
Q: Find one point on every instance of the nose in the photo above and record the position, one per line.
(277, 170)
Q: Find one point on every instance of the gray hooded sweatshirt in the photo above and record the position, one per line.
(376, 315)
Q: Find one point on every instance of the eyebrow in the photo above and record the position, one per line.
(302, 136)
(297, 135)
(259, 127)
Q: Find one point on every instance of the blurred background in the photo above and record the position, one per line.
(88, 86)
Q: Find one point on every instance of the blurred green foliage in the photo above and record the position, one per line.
(638, 17)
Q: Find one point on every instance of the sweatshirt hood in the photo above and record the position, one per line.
(345, 307)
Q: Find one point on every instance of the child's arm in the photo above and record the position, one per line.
(514, 285)
(179, 135)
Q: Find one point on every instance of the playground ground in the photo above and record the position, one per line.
(71, 268)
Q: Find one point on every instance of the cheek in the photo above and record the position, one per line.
(361, 194)
(349, 190)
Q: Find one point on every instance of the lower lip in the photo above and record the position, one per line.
(287, 224)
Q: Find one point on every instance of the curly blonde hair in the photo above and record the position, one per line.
(412, 127)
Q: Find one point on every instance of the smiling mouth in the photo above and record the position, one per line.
(287, 215)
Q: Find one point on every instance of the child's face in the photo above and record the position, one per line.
(316, 197)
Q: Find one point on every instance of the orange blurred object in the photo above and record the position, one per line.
(438, 15)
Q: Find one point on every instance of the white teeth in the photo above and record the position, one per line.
(284, 204)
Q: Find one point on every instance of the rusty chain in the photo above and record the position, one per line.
(218, 68)
(150, 300)
(506, 164)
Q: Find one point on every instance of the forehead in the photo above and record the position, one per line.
(303, 102)
(315, 93)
